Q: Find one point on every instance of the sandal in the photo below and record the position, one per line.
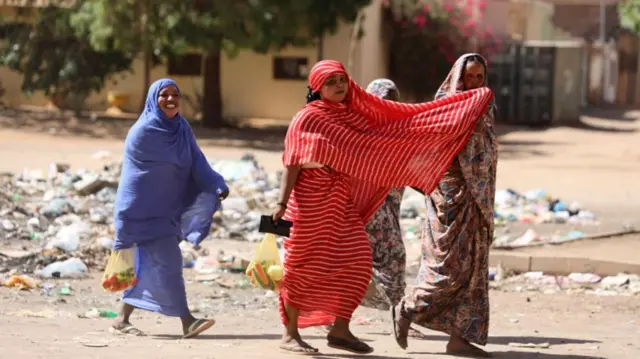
(128, 329)
(298, 350)
(415, 333)
(356, 347)
(197, 327)
(402, 341)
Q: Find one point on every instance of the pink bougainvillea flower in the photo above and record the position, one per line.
(420, 21)
(447, 7)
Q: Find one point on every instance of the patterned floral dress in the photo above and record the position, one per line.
(452, 295)
(388, 284)
(389, 256)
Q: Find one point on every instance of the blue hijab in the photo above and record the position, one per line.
(164, 172)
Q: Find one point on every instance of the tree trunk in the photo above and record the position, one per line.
(354, 41)
(146, 51)
(212, 99)
(146, 75)
(320, 47)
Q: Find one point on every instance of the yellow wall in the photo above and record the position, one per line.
(248, 88)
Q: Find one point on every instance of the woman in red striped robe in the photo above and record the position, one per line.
(344, 151)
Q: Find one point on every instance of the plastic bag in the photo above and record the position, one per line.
(120, 274)
(265, 269)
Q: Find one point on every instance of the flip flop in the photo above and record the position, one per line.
(199, 326)
(295, 349)
(356, 347)
(129, 329)
(415, 333)
(402, 343)
(327, 328)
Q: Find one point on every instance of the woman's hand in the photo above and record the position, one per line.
(278, 212)
(222, 194)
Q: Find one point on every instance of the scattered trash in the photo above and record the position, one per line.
(98, 313)
(537, 207)
(65, 291)
(71, 268)
(590, 283)
(22, 282)
(585, 278)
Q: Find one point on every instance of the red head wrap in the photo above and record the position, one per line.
(322, 70)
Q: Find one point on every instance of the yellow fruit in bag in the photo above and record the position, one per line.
(275, 273)
(120, 272)
(265, 269)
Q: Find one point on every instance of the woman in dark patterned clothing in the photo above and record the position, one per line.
(388, 283)
(453, 294)
(389, 257)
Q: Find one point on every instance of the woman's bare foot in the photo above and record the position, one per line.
(295, 345)
(459, 346)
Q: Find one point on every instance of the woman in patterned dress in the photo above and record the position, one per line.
(388, 283)
(453, 294)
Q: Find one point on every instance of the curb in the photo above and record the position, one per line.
(523, 262)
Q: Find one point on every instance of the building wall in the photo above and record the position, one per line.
(248, 87)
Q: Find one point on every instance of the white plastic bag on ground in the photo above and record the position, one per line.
(68, 237)
(71, 268)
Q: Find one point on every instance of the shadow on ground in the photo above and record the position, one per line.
(271, 137)
(511, 354)
(505, 340)
(232, 337)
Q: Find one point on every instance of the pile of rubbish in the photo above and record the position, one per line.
(538, 207)
(590, 283)
(59, 223)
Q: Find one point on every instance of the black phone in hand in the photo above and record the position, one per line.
(281, 228)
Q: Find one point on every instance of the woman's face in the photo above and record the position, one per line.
(169, 101)
(473, 76)
(335, 88)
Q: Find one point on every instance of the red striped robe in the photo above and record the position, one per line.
(370, 146)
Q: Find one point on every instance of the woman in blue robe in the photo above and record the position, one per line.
(164, 172)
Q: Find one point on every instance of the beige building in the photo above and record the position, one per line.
(273, 86)
(250, 88)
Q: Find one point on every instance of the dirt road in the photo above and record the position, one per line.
(574, 326)
(596, 163)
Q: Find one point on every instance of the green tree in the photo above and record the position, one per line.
(324, 16)
(630, 15)
(154, 31)
(216, 28)
(53, 60)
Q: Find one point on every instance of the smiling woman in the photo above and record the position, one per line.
(169, 101)
(164, 173)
